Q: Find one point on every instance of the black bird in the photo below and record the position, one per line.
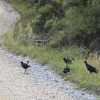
(25, 65)
(90, 68)
(68, 61)
(67, 69)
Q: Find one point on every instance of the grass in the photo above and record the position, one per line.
(23, 8)
(79, 74)
(54, 57)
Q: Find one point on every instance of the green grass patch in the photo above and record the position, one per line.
(54, 57)
(23, 8)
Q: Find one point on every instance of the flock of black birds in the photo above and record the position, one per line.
(90, 68)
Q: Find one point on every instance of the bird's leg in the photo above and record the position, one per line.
(25, 71)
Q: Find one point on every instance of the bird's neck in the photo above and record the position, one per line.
(86, 63)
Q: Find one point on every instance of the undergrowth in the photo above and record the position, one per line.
(54, 57)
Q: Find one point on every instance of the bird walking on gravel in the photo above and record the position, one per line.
(66, 70)
(90, 68)
(25, 66)
(68, 61)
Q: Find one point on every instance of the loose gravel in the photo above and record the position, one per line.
(40, 84)
(8, 16)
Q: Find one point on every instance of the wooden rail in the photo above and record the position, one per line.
(41, 42)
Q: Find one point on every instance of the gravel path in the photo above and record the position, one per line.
(8, 16)
(40, 83)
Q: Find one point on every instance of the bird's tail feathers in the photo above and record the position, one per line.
(29, 66)
(97, 71)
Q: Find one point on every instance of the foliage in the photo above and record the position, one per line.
(83, 22)
(45, 9)
(79, 20)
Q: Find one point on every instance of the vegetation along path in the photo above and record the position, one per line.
(40, 83)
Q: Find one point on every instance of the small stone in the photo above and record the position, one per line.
(82, 94)
(83, 89)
